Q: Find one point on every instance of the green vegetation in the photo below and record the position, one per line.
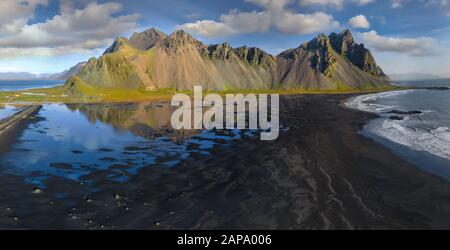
(76, 91)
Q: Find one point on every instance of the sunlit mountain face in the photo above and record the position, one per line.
(229, 115)
(41, 36)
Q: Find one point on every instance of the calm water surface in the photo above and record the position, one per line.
(72, 141)
(15, 85)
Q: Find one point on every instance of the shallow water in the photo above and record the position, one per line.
(414, 123)
(8, 110)
(73, 141)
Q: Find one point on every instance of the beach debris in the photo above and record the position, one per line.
(73, 216)
(87, 199)
(37, 190)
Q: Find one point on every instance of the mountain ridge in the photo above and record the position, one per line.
(152, 60)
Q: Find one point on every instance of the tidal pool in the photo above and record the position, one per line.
(73, 141)
(7, 110)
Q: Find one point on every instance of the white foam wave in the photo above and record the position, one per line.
(366, 102)
(436, 142)
(433, 140)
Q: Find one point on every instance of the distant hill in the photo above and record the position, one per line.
(153, 60)
(67, 73)
(30, 76)
(18, 76)
(413, 77)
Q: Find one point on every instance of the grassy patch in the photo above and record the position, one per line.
(80, 92)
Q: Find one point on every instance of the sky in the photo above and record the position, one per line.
(48, 36)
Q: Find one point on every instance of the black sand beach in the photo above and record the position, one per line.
(319, 174)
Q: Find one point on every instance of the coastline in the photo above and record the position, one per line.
(425, 148)
(58, 95)
(320, 174)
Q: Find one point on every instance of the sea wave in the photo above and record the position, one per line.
(366, 102)
(417, 136)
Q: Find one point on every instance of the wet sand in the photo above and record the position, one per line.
(319, 174)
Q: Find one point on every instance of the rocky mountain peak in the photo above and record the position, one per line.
(333, 61)
(323, 58)
(345, 45)
(222, 51)
(255, 56)
(342, 42)
(321, 41)
(116, 46)
(179, 39)
(147, 39)
(182, 38)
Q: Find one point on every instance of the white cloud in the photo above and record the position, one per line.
(275, 14)
(247, 22)
(359, 21)
(293, 23)
(272, 5)
(207, 28)
(334, 3)
(79, 30)
(398, 3)
(14, 14)
(443, 4)
(364, 2)
(421, 46)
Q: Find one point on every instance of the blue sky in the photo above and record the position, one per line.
(46, 36)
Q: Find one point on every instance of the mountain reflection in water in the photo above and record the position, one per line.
(77, 141)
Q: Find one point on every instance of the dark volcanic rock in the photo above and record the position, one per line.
(399, 112)
(147, 39)
(344, 44)
(396, 118)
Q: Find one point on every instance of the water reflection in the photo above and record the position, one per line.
(75, 141)
(7, 110)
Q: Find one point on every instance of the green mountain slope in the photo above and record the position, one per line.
(152, 60)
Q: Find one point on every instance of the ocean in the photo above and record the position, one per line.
(15, 85)
(415, 124)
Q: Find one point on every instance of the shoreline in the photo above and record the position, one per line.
(427, 159)
(57, 95)
(320, 174)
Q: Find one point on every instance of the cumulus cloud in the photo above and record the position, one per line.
(14, 14)
(359, 21)
(208, 28)
(334, 3)
(421, 46)
(247, 22)
(73, 30)
(272, 5)
(443, 4)
(398, 3)
(293, 23)
(275, 15)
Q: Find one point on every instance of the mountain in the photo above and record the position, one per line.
(329, 62)
(413, 77)
(67, 73)
(152, 60)
(146, 39)
(18, 76)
